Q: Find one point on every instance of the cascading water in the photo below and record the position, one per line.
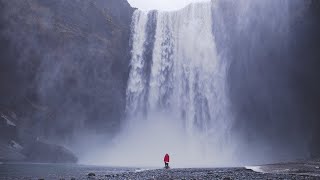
(187, 67)
(177, 84)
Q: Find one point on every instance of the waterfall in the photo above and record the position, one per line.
(208, 84)
(178, 78)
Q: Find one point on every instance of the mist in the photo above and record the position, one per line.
(217, 83)
(245, 35)
(145, 146)
(254, 38)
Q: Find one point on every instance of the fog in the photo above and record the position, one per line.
(144, 143)
(219, 83)
(251, 38)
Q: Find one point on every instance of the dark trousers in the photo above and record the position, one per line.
(166, 165)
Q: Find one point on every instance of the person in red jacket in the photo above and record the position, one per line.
(166, 160)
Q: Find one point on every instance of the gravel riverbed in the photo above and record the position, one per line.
(203, 174)
(81, 172)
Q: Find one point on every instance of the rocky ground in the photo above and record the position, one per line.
(189, 174)
(303, 167)
(306, 169)
(80, 172)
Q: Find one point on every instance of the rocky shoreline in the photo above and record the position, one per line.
(82, 172)
(189, 174)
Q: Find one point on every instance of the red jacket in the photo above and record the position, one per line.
(166, 158)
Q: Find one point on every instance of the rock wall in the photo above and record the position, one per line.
(274, 78)
(64, 66)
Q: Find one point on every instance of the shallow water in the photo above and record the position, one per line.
(56, 171)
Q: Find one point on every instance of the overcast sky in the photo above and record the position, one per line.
(166, 5)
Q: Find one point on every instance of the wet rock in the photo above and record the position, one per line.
(48, 153)
(91, 174)
(60, 33)
(10, 154)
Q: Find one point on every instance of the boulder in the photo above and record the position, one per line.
(48, 153)
(91, 174)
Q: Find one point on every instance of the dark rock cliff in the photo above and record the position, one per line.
(64, 66)
(274, 79)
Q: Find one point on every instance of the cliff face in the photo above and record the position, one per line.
(274, 79)
(64, 65)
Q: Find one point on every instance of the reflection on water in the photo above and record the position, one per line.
(56, 171)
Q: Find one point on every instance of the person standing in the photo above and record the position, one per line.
(166, 160)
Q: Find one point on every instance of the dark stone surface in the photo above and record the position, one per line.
(48, 153)
(8, 131)
(192, 174)
(63, 70)
(91, 174)
(9, 154)
(62, 171)
(273, 79)
(64, 64)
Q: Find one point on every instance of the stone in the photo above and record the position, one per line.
(227, 178)
(91, 174)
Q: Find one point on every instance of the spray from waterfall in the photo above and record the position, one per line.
(209, 85)
(176, 94)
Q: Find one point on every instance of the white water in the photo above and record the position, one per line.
(176, 100)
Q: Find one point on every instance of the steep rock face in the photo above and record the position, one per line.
(64, 64)
(63, 72)
(274, 76)
(44, 152)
